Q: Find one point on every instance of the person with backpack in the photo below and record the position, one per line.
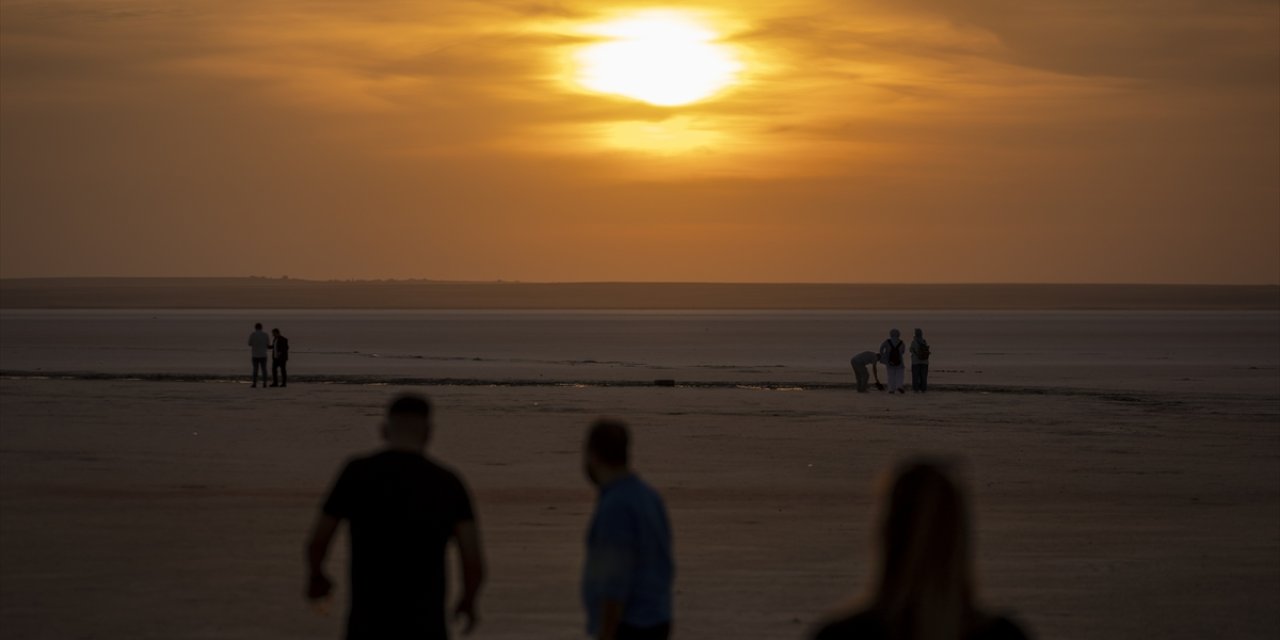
(919, 363)
(891, 351)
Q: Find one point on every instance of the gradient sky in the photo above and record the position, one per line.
(912, 141)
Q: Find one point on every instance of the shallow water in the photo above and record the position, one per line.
(1200, 351)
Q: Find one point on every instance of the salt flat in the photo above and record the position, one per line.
(137, 509)
(1120, 492)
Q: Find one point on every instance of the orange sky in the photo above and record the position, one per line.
(914, 141)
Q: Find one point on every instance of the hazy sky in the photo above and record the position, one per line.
(908, 141)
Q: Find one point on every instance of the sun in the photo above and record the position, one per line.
(664, 58)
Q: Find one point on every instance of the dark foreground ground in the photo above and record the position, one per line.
(172, 509)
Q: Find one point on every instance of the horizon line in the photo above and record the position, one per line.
(501, 281)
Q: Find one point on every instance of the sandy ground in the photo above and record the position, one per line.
(137, 509)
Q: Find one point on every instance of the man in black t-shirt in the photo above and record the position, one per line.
(403, 509)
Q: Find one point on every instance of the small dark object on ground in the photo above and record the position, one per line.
(664, 382)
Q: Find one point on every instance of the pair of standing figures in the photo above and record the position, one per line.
(260, 344)
(892, 355)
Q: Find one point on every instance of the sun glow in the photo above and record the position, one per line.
(664, 58)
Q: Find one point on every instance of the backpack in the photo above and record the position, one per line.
(922, 351)
(895, 354)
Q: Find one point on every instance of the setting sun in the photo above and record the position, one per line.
(662, 58)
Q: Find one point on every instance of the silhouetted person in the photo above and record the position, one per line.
(891, 356)
(279, 359)
(627, 577)
(859, 363)
(925, 588)
(919, 363)
(403, 510)
(259, 344)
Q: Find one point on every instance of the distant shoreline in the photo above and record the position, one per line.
(268, 293)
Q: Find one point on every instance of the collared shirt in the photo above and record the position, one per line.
(629, 555)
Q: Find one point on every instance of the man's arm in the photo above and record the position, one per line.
(610, 563)
(318, 584)
(610, 619)
(469, 551)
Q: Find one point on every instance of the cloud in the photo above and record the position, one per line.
(1189, 41)
(446, 139)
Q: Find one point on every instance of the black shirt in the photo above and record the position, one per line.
(868, 626)
(280, 348)
(403, 509)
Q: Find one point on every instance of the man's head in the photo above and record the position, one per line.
(894, 333)
(408, 423)
(275, 332)
(605, 455)
(257, 326)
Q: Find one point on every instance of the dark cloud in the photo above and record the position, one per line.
(1230, 41)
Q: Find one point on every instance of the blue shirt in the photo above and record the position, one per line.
(629, 555)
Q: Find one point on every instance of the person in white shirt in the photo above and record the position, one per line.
(891, 357)
(259, 345)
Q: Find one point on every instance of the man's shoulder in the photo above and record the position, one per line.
(419, 463)
(632, 492)
(403, 465)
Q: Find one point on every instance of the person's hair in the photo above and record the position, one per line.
(275, 331)
(409, 405)
(258, 326)
(608, 440)
(925, 589)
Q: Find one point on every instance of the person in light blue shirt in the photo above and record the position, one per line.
(259, 344)
(629, 571)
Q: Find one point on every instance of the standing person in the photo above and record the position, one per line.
(919, 363)
(259, 343)
(279, 359)
(925, 589)
(860, 363)
(891, 355)
(403, 510)
(627, 577)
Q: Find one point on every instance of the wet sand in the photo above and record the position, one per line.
(178, 509)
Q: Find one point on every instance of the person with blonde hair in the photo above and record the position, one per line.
(925, 587)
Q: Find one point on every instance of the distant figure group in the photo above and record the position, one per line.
(892, 355)
(403, 509)
(260, 344)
